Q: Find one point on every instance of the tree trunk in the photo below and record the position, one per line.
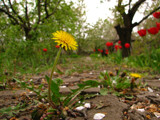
(124, 34)
(27, 33)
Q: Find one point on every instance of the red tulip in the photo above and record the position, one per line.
(119, 42)
(116, 47)
(108, 44)
(45, 49)
(142, 32)
(156, 15)
(120, 47)
(94, 50)
(111, 44)
(106, 52)
(127, 45)
(153, 30)
(158, 25)
(99, 50)
(57, 46)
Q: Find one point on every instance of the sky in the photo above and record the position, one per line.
(96, 10)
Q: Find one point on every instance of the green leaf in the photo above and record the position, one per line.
(76, 92)
(17, 80)
(55, 99)
(59, 81)
(55, 89)
(104, 91)
(47, 78)
(40, 86)
(89, 83)
(129, 97)
(30, 88)
(22, 83)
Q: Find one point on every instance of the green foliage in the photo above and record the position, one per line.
(99, 34)
(116, 83)
(150, 60)
(2, 76)
(28, 53)
(12, 110)
(60, 100)
(31, 87)
(116, 57)
(74, 55)
(74, 92)
(27, 56)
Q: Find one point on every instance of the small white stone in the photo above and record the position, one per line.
(157, 114)
(87, 105)
(31, 80)
(149, 89)
(47, 104)
(30, 92)
(62, 86)
(159, 79)
(114, 82)
(104, 71)
(99, 116)
(141, 110)
(90, 73)
(80, 108)
(157, 94)
(133, 106)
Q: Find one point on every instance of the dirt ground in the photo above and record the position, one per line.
(145, 105)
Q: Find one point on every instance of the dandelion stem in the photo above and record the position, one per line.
(49, 83)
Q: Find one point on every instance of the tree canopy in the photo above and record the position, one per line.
(30, 16)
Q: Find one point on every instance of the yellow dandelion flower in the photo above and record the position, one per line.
(65, 40)
(136, 75)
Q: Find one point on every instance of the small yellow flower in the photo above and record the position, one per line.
(136, 75)
(65, 40)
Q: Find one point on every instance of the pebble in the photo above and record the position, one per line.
(80, 108)
(99, 116)
(87, 105)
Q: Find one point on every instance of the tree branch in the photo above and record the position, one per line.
(9, 15)
(54, 10)
(26, 14)
(15, 12)
(12, 7)
(144, 18)
(135, 7)
(5, 6)
(130, 4)
(45, 7)
(39, 11)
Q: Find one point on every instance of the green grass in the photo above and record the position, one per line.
(28, 62)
